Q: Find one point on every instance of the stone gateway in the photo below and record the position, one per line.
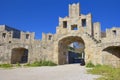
(97, 46)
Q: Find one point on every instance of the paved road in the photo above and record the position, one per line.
(64, 72)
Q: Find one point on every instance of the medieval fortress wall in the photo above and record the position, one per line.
(100, 47)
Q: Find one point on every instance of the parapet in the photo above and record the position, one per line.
(47, 37)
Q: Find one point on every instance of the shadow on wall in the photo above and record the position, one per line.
(114, 50)
(111, 56)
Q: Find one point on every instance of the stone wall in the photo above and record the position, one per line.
(53, 47)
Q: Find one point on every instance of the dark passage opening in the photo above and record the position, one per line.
(71, 50)
(74, 57)
(19, 55)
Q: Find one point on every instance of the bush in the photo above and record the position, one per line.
(90, 64)
(35, 64)
(18, 64)
(50, 63)
(5, 65)
(28, 64)
(41, 63)
(98, 65)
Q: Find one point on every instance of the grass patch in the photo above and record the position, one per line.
(41, 63)
(18, 64)
(90, 65)
(108, 72)
(35, 64)
(5, 65)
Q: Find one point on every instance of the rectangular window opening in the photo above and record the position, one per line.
(64, 24)
(27, 36)
(114, 32)
(74, 27)
(4, 35)
(50, 37)
(84, 22)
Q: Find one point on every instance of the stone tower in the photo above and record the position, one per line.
(99, 47)
(74, 10)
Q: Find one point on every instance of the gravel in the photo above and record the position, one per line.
(63, 72)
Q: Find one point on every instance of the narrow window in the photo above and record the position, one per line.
(27, 36)
(74, 27)
(83, 22)
(50, 37)
(64, 24)
(4, 35)
(114, 32)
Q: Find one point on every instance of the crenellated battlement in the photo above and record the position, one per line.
(17, 46)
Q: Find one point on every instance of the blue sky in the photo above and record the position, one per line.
(42, 15)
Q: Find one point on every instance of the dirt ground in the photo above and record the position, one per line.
(63, 72)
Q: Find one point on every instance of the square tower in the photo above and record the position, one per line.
(74, 10)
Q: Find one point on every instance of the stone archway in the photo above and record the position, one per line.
(111, 56)
(63, 53)
(19, 55)
(90, 50)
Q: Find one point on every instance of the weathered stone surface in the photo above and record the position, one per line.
(73, 28)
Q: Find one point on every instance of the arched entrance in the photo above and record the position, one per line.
(111, 56)
(19, 55)
(67, 53)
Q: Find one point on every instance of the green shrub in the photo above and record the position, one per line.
(35, 64)
(90, 64)
(28, 64)
(45, 63)
(18, 64)
(98, 65)
(5, 65)
(41, 63)
(51, 63)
